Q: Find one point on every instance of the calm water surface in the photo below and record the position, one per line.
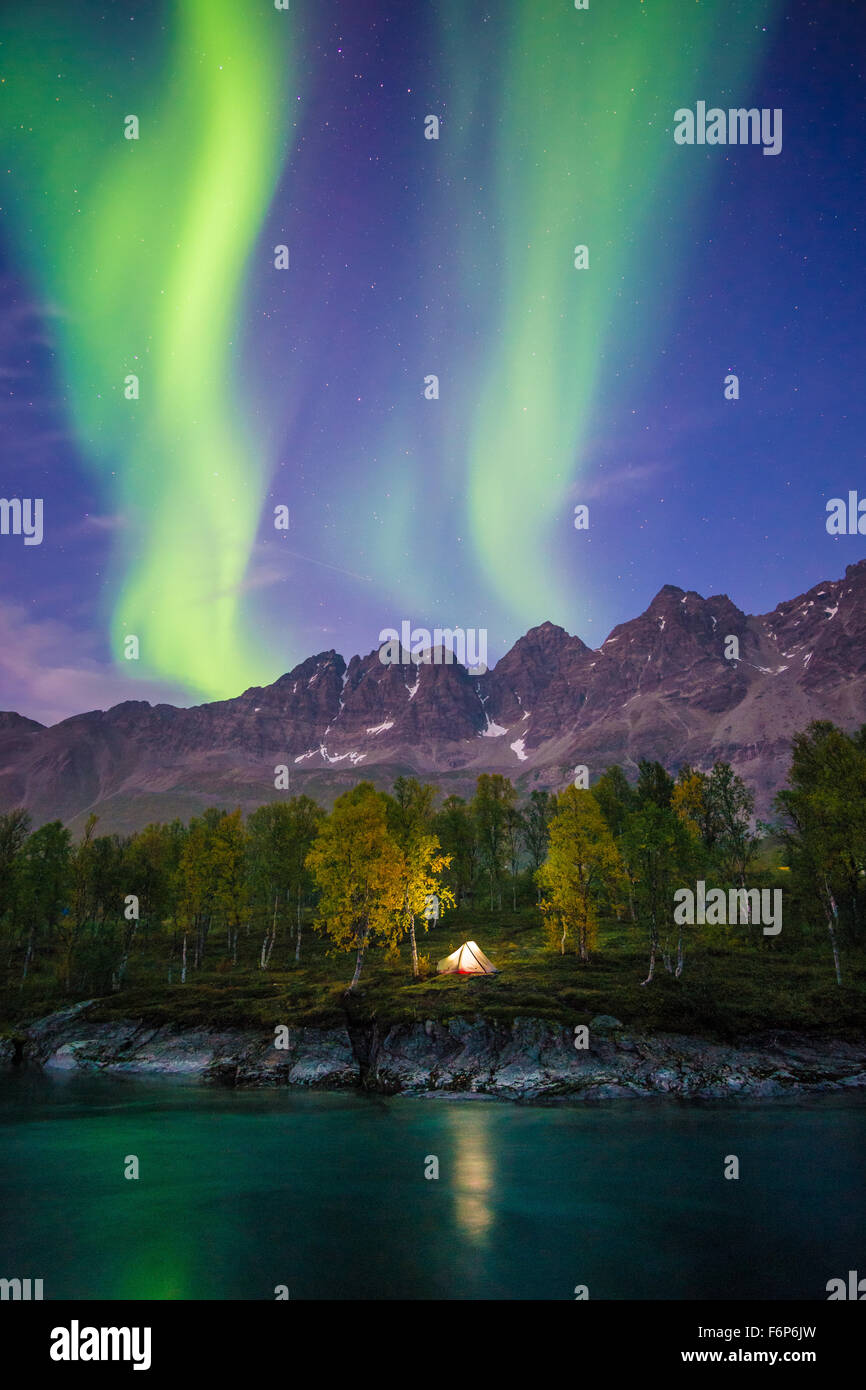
(243, 1191)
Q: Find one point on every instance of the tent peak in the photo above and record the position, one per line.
(468, 959)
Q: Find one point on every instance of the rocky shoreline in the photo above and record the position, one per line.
(528, 1060)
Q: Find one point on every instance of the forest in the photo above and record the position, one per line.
(571, 893)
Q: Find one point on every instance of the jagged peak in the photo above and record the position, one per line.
(312, 666)
(855, 571)
(546, 630)
(544, 637)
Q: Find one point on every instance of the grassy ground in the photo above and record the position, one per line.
(729, 987)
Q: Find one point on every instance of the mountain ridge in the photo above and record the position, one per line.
(659, 686)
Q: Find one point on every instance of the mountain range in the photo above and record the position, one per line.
(660, 686)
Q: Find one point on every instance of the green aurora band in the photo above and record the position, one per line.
(557, 131)
(582, 153)
(143, 246)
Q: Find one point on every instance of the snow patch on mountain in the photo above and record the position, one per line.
(380, 728)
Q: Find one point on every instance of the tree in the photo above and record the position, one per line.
(410, 814)
(494, 798)
(616, 797)
(423, 867)
(536, 829)
(305, 817)
(150, 869)
(72, 923)
(14, 828)
(660, 854)
(825, 832)
(693, 803)
(513, 841)
(281, 835)
(271, 856)
(44, 884)
(150, 863)
(104, 950)
(227, 862)
(654, 784)
(195, 886)
(357, 866)
(414, 801)
(454, 826)
(730, 807)
(688, 799)
(582, 868)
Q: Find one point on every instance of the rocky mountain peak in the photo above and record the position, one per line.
(666, 684)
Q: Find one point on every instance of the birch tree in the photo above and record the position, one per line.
(582, 870)
(358, 869)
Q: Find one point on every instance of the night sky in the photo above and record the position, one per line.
(409, 257)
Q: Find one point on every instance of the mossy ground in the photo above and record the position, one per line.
(731, 987)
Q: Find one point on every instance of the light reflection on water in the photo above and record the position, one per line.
(474, 1171)
(243, 1191)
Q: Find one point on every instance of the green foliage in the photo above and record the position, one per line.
(422, 863)
(494, 800)
(661, 856)
(824, 830)
(455, 829)
(616, 797)
(536, 826)
(358, 868)
(730, 808)
(582, 872)
(654, 785)
(222, 904)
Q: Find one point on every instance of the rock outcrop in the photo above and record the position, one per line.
(528, 1060)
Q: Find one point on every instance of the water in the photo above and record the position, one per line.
(243, 1191)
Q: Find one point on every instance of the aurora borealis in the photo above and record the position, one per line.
(304, 387)
(579, 160)
(152, 239)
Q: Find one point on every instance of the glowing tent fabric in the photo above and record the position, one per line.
(468, 959)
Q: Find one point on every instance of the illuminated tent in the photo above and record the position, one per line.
(468, 959)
